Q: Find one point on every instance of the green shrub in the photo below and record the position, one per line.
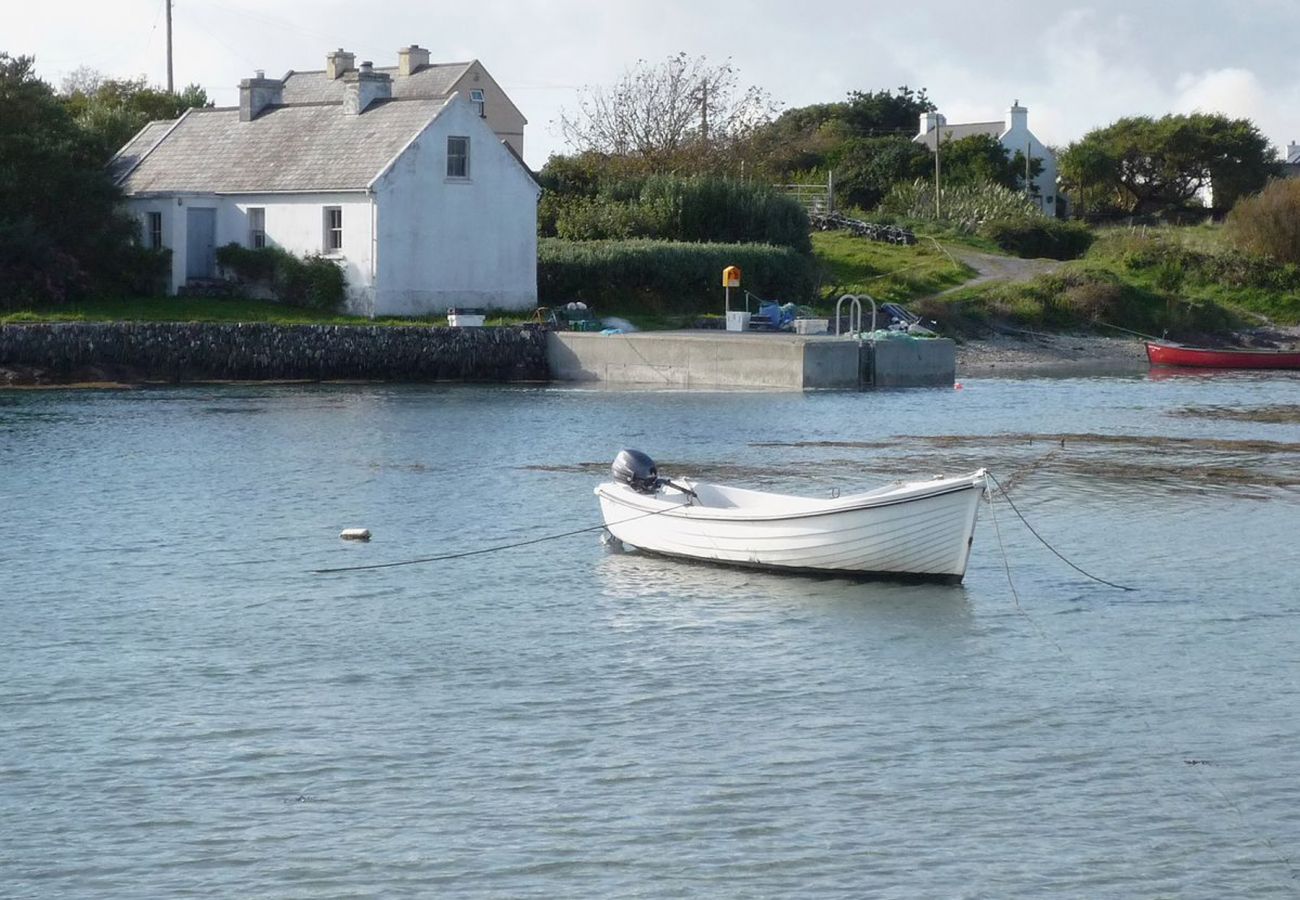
(641, 276)
(141, 271)
(672, 208)
(1037, 237)
(1268, 224)
(312, 282)
(964, 206)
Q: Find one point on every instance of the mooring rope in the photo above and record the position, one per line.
(1266, 840)
(1042, 540)
(499, 547)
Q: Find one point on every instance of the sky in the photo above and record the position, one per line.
(1076, 66)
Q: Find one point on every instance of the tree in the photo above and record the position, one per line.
(1141, 165)
(112, 110)
(982, 158)
(832, 135)
(866, 168)
(60, 229)
(679, 114)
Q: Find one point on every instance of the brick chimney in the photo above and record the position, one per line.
(256, 94)
(339, 63)
(362, 87)
(411, 60)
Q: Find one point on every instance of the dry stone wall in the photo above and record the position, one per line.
(200, 352)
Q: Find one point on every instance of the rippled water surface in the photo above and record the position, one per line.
(185, 710)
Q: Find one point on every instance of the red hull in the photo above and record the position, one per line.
(1201, 358)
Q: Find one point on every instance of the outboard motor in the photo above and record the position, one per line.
(636, 470)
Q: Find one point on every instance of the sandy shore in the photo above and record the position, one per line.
(1032, 353)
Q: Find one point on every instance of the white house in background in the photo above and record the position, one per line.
(1013, 134)
(1291, 165)
(396, 175)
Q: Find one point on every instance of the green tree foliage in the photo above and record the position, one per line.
(61, 232)
(981, 158)
(866, 168)
(865, 139)
(1268, 224)
(1141, 165)
(112, 110)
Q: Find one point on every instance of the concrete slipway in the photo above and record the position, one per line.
(682, 359)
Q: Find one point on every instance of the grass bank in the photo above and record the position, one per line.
(1184, 281)
(888, 272)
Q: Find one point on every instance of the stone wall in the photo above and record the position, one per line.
(199, 352)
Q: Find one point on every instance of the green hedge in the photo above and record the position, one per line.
(660, 276)
(1037, 237)
(673, 208)
(313, 282)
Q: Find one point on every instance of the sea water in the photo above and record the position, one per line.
(186, 710)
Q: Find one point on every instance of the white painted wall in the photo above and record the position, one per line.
(294, 222)
(1018, 137)
(447, 242)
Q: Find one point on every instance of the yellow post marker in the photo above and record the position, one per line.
(736, 321)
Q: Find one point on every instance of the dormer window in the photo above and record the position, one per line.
(477, 101)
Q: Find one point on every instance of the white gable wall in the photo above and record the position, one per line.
(1017, 136)
(447, 242)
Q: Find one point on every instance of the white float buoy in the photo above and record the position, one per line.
(355, 534)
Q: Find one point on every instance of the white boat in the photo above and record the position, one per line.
(917, 529)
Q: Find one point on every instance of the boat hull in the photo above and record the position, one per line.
(1202, 358)
(919, 531)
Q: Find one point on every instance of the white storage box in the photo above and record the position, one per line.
(737, 320)
(465, 318)
(810, 326)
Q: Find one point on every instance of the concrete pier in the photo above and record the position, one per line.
(683, 359)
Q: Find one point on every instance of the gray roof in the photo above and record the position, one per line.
(428, 81)
(965, 130)
(311, 147)
(145, 139)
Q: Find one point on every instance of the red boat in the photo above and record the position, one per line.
(1204, 358)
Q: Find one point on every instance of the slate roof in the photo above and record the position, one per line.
(965, 130)
(138, 146)
(428, 81)
(310, 147)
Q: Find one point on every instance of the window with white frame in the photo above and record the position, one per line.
(333, 229)
(457, 157)
(477, 101)
(256, 227)
(154, 223)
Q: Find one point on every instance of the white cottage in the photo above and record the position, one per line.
(1013, 134)
(397, 175)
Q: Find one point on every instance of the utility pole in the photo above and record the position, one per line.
(171, 89)
(1029, 191)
